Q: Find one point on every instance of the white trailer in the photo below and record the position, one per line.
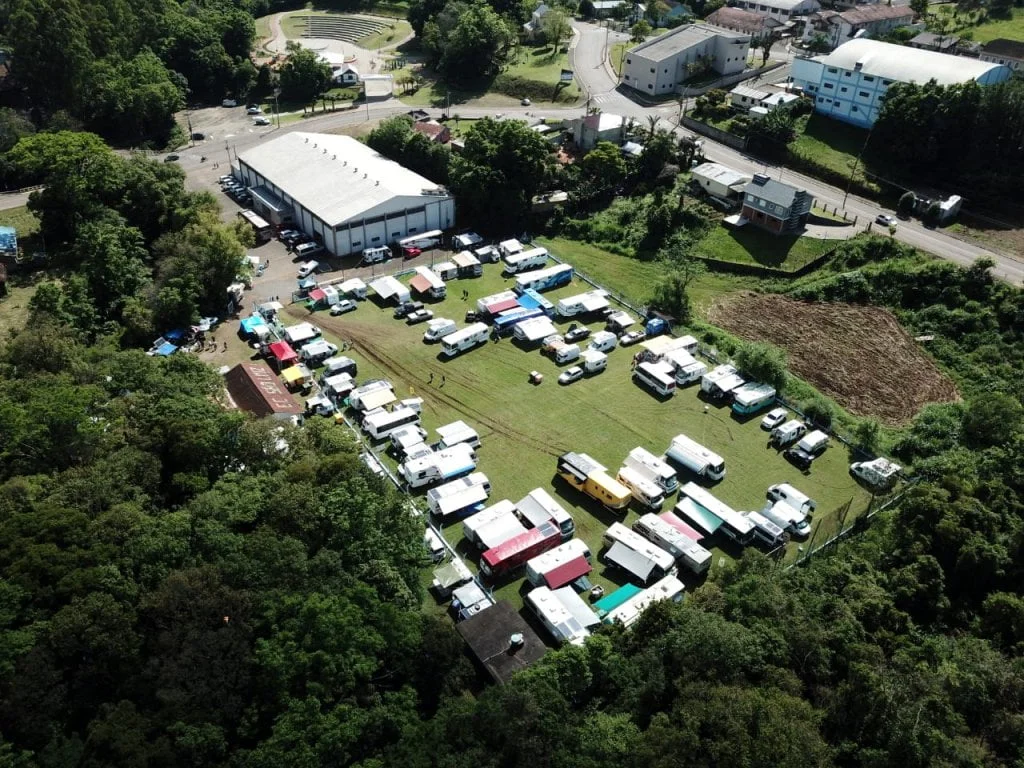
(389, 289)
(438, 466)
(353, 287)
(721, 381)
(684, 549)
(645, 491)
(617, 533)
(533, 329)
(669, 588)
(502, 298)
(372, 394)
(459, 495)
(475, 522)
(535, 258)
(538, 507)
(455, 433)
(582, 303)
(460, 341)
(556, 618)
(696, 458)
(653, 468)
(540, 566)
(752, 397)
(297, 335)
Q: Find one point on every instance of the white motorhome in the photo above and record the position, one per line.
(788, 518)
(659, 562)
(338, 387)
(768, 533)
(654, 469)
(459, 495)
(489, 254)
(523, 261)
(720, 382)
(297, 335)
(556, 618)
(438, 466)
(376, 255)
(725, 519)
(427, 283)
(538, 507)
(686, 550)
(645, 491)
(438, 328)
(475, 522)
(372, 394)
(340, 364)
(582, 304)
(788, 433)
(542, 565)
(460, 341)
(316, 351)
(657, 377)
(593, 361)
(696, 458)
(603, 341)
(497, 302)
(879, 474)
(687, 374)
(627, 614)
(408, 440)
(381, 424)
(446, 270)
(455, 433)
(795, 498)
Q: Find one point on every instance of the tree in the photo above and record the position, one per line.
(763, 362)
(603, 167)
(587, 9)
(992, 419)
(556, 28)
(304, 75)
(477, 45)
(639, 31)
(867, 435)
(906, 204)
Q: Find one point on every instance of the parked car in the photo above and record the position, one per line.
(307, 268)
(254, 111)
(198, 136)
(229, 103)
(885, 220)
(171, 158)
(573, 374)
(525, 102)
(261, 121)
(576, 333)
(800, 458)
(402, 310)
(633, 337)
(343, 306)
(419, 316)
(410, 251)
(305, 250)
(774, 417)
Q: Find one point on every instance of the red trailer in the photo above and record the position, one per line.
(514, 553)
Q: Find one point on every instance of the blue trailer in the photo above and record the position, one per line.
(505, 323)
(548, 279)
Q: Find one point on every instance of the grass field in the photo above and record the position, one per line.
(524, 428)
(1012, 28)
(750, 245)
(831, 143)
(391, 35)
(22, 219)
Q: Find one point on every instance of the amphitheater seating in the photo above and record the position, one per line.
(347, 28)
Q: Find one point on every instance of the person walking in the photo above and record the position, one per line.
(431, 379)
(442, 380)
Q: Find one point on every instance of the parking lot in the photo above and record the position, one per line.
(525, 427)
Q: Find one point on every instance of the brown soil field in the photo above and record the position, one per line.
(858, 355)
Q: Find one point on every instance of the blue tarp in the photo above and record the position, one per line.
(166, 349)
(8, 240)
(251, 324)
(177, 333)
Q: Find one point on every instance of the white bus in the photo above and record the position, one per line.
(684, 549)
(380, 425)
(546, 279)
(669, 588)
(657, 377)
(617, 533)
(653, 468)
(696, 458)
(469, 337)
(521, 261)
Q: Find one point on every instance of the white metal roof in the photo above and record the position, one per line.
(904, 64)
(682, 38)
(720, 173)
(336, 177)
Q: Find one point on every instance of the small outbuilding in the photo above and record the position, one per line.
(501, 641)
(255, 388)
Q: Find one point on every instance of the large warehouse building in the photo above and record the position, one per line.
(341, 192)
(663, 64)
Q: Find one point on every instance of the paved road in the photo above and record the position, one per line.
(14, 200)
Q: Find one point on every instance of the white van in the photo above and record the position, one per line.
(437, 329)
(567, 353)
(787, 518)
(656, 377)
(814, 443)
(434, 545)
(796, 499)
(307, 268)
(306, 250)
(603, 341)
(788, 433)
(376, 255)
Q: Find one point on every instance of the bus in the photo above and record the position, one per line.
(520, 261)
(669, 588)
(544, 279)
(514, 553)
(259, 225)
(730, 522)
(686, 550)
(380, 425)
(657, 377)
(505, 322)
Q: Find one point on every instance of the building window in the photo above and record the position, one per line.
(868, 79)
(887, 83)
(820, 98)
(356, 243)
(395, 234)
(832, 70)
(376, 239)
(855, 109)
(829, 86)
(666, 71)
(627, 77)
(629, 61)
(846, 74)
(650, 87)
(842, 90)
(412, 229)
(865, 94)
(652, 70)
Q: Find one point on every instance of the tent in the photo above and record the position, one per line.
(283, 352)
(293, 375)
(166, 349)
(254, 325)
(317, 295)
(452, 574)
(633, 562)
(567, 573)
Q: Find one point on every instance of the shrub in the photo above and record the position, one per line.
(819, 411)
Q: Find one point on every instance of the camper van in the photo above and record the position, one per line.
(651, 467)
(460, 341)
(376, 255)
(787, 518)
(603, 341)
(439, 466)
(657, 377)
(788, 433)
(593, 361)
(645, 491)
(566, 353)
(588, 476)
(797, 499)
(696, 458)
(438, 328)
(316, 351)
(381, 424)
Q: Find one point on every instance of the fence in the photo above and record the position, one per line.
(758, 270)
(723, 137)
(617, 297)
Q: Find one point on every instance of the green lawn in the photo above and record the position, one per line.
(524, 428)
(22, 219)
(750, 245)
(617, 55)
(262, 28)
(1012, 28)
(395, 33)
(831, 143)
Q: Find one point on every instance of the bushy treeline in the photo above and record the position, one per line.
(123, 68)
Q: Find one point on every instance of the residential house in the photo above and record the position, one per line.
(346, 75)
(774, 206)
(781, 10)
(849, 83)
(660, 66)
(929, 41)
(603, 9)
(863, 21)
(599, 126)
(743, 97)
(433, 130)
(1009, 53)
(758, 25)
(534, 26)
(719, 181)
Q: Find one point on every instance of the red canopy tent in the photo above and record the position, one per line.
(317, 295)
(567, 573)
(283, 353)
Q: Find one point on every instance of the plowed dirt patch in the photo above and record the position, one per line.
(860, 356)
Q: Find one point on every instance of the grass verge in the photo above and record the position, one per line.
(390, 35)
(754, 246)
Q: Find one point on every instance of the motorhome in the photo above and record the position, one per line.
(471, 336)
(408, 440)
(510, 247)
(531, 299)
(560, 566)
(547, 279)
(320, 405)
(524, 261)
(714, 515)
(489, 254)
(787, 517)
(496, 303)
(688, 552)
(380, 425)
(657, 377)
(505, 323)
(556, 618)
(466, 240)
(647, 493)
(651, 467)
(767, 532)
(459, 497)
(337, 387)
(300, 334)
(880, 474)
(591, 478)
(534, 329)
(752, 397)
(354, 288)
(669, 588)
(619, 322)
(720, 382)
(446, 270)
(582, 304)
(695, 457)
(427, 283)
(514, 553)
(788, 433)
(687, 374)
(439, 466)
(637, 556)
(538, 507)
(682, 526)
(455, 433)
(499, 530)
(371, 395)
(376, 255)
(438, 328)
(603, 341)
(593, 361)
(316, 352)
(340, 364)
(475, 522)
(566, 353)
(795, 498)
(467, 265)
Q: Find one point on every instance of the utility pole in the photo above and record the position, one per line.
(853, 171)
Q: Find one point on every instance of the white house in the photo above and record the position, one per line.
(346, 75)
(660, 66)
(600, 126)
(849, 83)
(1009, 53)
(782, 10)
(863, 21)
(341, 192)
(720, 181)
